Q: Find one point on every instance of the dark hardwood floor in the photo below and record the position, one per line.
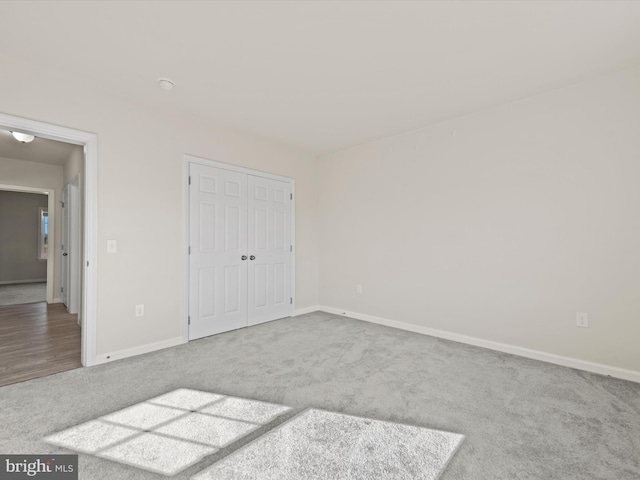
(37, 340)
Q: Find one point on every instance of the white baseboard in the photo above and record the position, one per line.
(130, 352)
(602, 369)
(19, 282)
(302, 311)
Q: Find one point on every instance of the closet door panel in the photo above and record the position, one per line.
(218, 241)
(269, 246)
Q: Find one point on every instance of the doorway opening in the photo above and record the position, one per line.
(25, 263)
(71, 291)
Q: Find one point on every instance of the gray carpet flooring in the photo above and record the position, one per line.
(522, 419)
(16, 294)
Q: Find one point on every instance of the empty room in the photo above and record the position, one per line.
(321, 240)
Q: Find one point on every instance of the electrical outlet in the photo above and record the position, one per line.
(139, 310)
(358, 288)
(582, 319)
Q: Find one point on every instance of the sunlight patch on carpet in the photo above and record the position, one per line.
(320, 445)
(169, 433)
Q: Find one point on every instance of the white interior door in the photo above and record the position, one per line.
(64, 271)
(218, 250)
(270, 250)
(74, 247)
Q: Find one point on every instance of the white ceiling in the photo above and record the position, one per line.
(325, 75)
(41, 150)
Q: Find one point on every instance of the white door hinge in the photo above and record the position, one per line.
(189, 179)
(291, 300)
(189, 320)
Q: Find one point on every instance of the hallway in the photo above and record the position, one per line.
(37, 340)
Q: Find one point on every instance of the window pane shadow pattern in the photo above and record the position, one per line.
(172, 432)
(169, 433)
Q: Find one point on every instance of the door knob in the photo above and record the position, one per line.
(252, 257)
(243, 257)
(65, 254)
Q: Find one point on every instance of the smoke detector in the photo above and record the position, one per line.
(166, 84)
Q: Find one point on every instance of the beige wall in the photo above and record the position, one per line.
(48, 177)
(500, 225)
(20, 237)
(141, 195)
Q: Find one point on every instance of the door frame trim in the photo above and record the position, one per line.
(90, 245)
(188, 160)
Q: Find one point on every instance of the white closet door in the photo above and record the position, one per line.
(218, 242)
(269, 250)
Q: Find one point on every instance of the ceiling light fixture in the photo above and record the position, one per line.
(166, 84)
(23, 137)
